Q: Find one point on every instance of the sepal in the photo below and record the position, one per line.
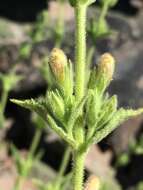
(55, 104)
(93, 106)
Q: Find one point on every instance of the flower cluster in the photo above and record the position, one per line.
(91, 119)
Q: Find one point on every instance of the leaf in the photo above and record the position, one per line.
(119, 117)
(60, 131)
(103, 116)
(107, 111)
(32, 105)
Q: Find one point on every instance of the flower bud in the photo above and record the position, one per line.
(93, 183)
(107, 65)
(58, 62)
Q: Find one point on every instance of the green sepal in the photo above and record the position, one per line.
(46, 73)
(93, 106)
(55, 104)
(98, 81)
(78, 130)
(76, 112)
(66, 86)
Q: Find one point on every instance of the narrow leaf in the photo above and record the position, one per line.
(32, 105)
(60, 131)
(119, 117)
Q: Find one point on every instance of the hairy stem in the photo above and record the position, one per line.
(78, 170)
(60, 25)
(80, 50)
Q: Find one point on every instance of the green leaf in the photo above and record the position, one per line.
(105, 112)
(32, 105)
(108, 109)
(118, 118)
(60, 131)
(98, 82)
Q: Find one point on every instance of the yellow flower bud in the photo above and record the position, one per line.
(107, 65)
(93, 183)
(58, 62)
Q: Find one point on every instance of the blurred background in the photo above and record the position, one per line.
(28, 32)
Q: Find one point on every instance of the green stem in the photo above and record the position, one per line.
(35, 142)
(4, 98)
(103, 12)
(78, 170)
(60, 25)
(19, 183)
(64, 162)
(63, 167)
(80, 50)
